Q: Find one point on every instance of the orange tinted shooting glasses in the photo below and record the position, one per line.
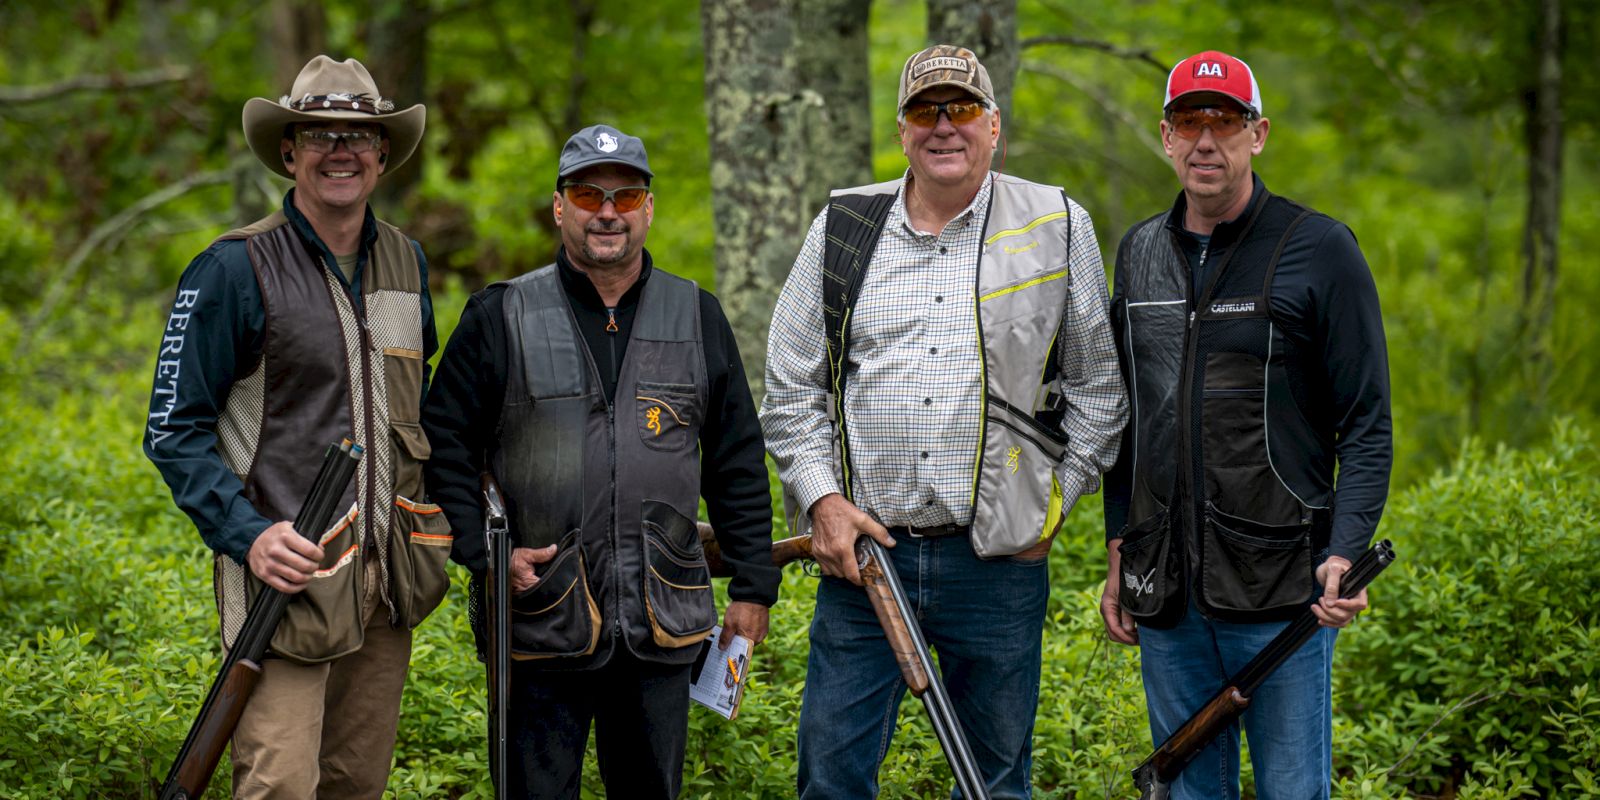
(1223, 122)
(590, 197)
(926, 114)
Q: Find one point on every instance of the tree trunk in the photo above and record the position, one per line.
(1542, 234)
(295, 33)
(833, 66)
(756, 110)
(397, 47)
(988, 28)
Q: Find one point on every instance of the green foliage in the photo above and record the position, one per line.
(1474, 676)
(1474, 673)
(1487, 640)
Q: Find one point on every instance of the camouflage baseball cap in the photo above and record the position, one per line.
(944, 65)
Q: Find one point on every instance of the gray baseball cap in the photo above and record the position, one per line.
(602, 144)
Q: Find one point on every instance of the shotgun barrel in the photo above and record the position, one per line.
(1154, 776)
(241, 666)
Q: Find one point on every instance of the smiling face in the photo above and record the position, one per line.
(604, 239)
(338, 182)
(1215, 172)
(947, 155)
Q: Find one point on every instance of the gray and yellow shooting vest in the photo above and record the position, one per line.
(1022, 280)
(615, 486)
(328, 371)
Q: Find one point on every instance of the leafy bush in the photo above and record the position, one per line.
(1481, 654)
(1475, 673)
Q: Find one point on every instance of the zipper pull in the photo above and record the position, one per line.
(1191, 320)
(611, 320)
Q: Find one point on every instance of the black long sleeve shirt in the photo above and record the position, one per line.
(1324, 298)
(463, 409)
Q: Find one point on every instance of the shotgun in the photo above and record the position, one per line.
(241, 667)
(1154, 777)
(900, 627)
(497, 543)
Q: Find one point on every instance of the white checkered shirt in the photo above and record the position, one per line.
(915, 394)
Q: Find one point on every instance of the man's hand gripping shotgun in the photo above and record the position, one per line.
(905, 639)
(1154, 777)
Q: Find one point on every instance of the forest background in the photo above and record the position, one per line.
(1457, 139)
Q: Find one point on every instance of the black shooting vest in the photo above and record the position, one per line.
(330, 369)
(615, 487)
(1218, 505)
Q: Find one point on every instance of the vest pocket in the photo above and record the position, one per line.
(402, 380)
(1152, 573)
(677, 585)
(411, 449)
(419, 545)
(1234, 411)
(1251, 567)
(323, 622)
(667, 414)
(1018, 495)
(557, 617)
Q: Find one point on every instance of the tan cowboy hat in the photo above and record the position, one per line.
(330, 90)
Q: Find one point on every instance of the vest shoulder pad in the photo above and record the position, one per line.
(272, 221)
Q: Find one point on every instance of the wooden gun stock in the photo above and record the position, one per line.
(193, 773)
(894, 626)
(1209, 722)
(1154, 775)
(784, 551)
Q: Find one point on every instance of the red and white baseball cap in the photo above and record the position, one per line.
(1214, 71)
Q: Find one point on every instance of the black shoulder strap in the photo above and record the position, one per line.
(855, 221)
(1277, 255)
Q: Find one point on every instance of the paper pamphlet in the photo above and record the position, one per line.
(717, 679)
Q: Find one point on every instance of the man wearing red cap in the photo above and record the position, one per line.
(1253, 349)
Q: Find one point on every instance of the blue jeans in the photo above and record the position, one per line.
(1289, 721)
(985, 621)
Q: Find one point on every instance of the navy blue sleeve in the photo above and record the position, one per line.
(460, 417)
(733, 466)
(212, 338)
(1349, 331)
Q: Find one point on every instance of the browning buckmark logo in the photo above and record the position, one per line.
(1014, 459)
(654, 408)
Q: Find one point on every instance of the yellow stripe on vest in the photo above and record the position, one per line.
(1028, 227)
(1019, 287)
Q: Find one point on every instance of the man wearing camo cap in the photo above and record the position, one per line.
(963, 313)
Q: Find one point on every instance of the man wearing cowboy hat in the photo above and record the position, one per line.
(302, 329)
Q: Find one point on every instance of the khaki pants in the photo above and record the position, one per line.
(325, 730)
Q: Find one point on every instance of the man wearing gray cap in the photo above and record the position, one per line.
(606, 396)
(941, 377)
